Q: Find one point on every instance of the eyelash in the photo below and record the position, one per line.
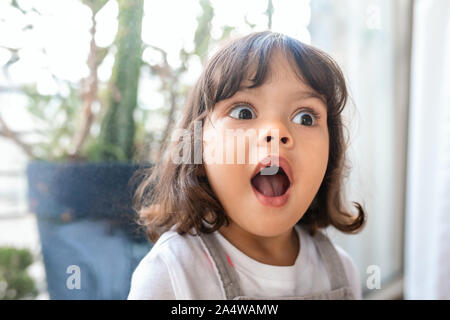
(314, 113)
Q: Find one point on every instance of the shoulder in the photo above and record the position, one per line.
(152, 277)
(151, 280)
(351, 271)
(173, 269)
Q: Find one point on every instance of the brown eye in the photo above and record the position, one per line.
(305, 119)
(242, 113)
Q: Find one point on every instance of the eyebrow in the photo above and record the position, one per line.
(299, 95)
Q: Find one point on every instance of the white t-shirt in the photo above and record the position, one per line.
(178, 267)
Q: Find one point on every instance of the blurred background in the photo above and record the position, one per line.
(89, 90)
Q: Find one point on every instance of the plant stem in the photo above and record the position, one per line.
(89, 95)
(118, 127)
(7, 133)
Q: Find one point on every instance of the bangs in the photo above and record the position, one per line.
(248, 59)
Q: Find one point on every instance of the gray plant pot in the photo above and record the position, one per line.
(90, 241)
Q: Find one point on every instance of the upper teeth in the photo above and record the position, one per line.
(272, 171)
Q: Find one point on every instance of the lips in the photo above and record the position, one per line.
(271, 180)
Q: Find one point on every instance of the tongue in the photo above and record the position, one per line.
(271, 185)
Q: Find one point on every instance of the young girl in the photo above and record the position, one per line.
(239, 229)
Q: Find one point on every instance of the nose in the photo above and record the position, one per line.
(273, 137)
(282, 139)
(281, 134)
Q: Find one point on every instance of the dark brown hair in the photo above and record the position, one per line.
(179, 195)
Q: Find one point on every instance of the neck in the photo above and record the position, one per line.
(280, 250)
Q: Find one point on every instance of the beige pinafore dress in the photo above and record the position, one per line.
(340, 288)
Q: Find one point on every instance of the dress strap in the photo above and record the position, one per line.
(229, 277)
(227, 274)
(333, 264)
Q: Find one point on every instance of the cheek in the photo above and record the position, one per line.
(228, 185)
(225, 144)
(313, 159)
(320, 152)
(225, 174)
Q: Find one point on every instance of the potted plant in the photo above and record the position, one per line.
(81, 194)
(78, 181)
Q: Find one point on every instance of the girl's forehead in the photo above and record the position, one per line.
(279, 65)
(279, 68)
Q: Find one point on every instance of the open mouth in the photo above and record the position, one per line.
(274, 185)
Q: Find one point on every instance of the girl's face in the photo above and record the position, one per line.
(281, 104)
